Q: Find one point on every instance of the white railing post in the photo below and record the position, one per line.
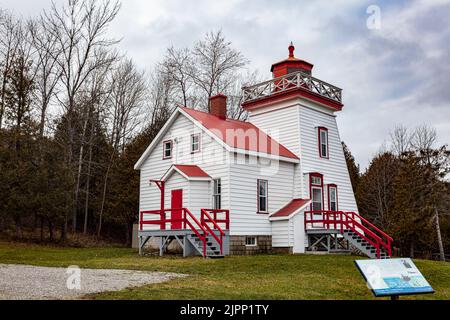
(293, 80)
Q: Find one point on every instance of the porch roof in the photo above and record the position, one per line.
(291, 208)
(190, 172)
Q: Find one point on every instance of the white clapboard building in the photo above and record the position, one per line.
(277, 182)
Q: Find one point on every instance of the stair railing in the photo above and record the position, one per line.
(206, 218)
(203, 237)
(348, 220)
(386, 239)
(198, 229)
(367, 234)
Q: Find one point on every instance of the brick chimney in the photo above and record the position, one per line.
(218, 105)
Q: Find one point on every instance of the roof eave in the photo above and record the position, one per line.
(271, 218)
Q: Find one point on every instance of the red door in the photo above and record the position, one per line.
(177, 204)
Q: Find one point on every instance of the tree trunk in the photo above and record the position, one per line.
(128, 231)
(105, 185)
(19, 232)
(50, 229)
(42, 228)
(411, 249)
(438, 234)
(64, 230)
(77, 186)
(86, 204)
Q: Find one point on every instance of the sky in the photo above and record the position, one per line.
(393, 67)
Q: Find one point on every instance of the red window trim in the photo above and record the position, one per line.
(164, 149)
(267, 197)
(318, 175)
(199, 142)
(320, 129)
(329, 186)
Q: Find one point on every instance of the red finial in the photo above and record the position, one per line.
(291, 50)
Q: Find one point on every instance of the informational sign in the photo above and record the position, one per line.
(393, 277)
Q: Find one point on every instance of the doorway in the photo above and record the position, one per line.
(177, 208)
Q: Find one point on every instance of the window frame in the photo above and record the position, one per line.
(335, 187)
(316, 186)
(217, 194)
(255, 244)
(320, 142)
(266, 196)
(164, 149)
(198, 135)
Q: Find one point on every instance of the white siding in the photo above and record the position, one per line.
(298, 233)
(334, 169)
(280, 234)
(200, 196)
(281, 122)
(212, 159)
(244, 175)
(177, 181)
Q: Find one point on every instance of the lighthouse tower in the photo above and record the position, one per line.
(300, 111)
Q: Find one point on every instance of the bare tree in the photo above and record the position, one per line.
(9, 44)
(128, 92)
(400, 140)
(214, 62)
(46, 54)
(423, 140)
(79, 29)
(160, 100)
(235, 96)
(176, 66)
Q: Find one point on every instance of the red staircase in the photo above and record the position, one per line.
(206, 235)
(361, 233)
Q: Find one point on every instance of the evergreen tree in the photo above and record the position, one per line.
(375, 193)
(353, 168)
(412, 223)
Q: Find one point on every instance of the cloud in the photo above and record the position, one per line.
(398, 74)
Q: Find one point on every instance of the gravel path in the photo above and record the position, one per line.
(21, 282)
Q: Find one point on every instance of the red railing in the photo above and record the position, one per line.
(188, 221)
(386, 239)
(349, 221)
(206, 218)
(185, 220)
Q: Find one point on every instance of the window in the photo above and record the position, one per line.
(332, 197)
(217, 195)
(250, 241)
(263, 193)
(167, 149)
(316, 199)
(323, 142)
(195, 143)
(316, 191)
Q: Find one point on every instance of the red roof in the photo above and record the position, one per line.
(192, 171)
(290, 208)
(240, 134)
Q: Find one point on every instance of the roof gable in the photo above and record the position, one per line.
(240, 134)
(189, 172)
(235, 136)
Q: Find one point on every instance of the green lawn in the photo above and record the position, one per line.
(252, 277)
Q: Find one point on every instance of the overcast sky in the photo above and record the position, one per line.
(397, 74)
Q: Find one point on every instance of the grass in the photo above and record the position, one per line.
(249, 277)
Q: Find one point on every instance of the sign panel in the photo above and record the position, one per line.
(393, 277)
